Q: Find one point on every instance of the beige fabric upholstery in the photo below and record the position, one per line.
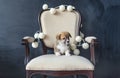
(61, 21)
(52, 62)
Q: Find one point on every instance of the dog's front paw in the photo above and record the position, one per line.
(57, 54)
(67, 53)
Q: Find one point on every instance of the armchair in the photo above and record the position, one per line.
(50, 64)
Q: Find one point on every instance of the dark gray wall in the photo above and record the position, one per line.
(18, 18)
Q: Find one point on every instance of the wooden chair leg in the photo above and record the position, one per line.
(44, 76)
(75, 76)
(28, 74)
(90, 75)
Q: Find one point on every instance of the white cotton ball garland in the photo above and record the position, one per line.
(89, 39)
(78, 38)
(69, 8)
(41, 35)
(45, 6)
(76, 51)
(62, 8)
(85, 45)
(34, 44)
(73, 7)
(53, 11)
(81, 34)
(36, 35)
(73, 46)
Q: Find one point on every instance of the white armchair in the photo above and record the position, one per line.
(50, 64)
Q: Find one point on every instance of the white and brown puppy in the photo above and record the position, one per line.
(62, 44)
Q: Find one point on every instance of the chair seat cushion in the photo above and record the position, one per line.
(53, 62)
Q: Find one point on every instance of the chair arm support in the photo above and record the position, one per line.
(92, 50)
(25, 41)
(28, 39)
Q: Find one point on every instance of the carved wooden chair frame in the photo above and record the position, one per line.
(46, 73)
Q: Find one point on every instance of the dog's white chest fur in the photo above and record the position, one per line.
(62, 47)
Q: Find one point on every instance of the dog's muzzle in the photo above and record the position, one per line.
(67, 42)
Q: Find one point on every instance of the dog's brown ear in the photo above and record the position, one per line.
(58, 36)
(70, 35)
(67, 34)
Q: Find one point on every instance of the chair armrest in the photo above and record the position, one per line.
(92, 50)
(25, 41)
(28, 39)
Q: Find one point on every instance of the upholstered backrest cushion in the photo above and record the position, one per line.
(52, 24)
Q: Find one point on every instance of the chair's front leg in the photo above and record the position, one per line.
(75, 76)
(90, 74)
(27, 51)
(92, 50)
(44, 76)
(28, 74)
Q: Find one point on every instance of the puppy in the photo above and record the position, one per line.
(62, 44)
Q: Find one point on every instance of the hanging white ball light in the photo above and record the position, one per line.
(76, 51)
(45, 6)
(62, 8)
(69, 8)
(34, 44)
(41, 35)
(36, 35)
(81, 34)
(73, 46)
(85, 45)
(78, 38)
(73, 7)
(52, 10)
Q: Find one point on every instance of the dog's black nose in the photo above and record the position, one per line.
(67, 41)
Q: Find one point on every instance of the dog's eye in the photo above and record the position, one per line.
(63, 38)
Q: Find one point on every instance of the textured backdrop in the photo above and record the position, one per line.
(18, 18)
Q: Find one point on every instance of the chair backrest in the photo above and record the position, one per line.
(52, 24)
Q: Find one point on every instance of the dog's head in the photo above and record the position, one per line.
(64, 37)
